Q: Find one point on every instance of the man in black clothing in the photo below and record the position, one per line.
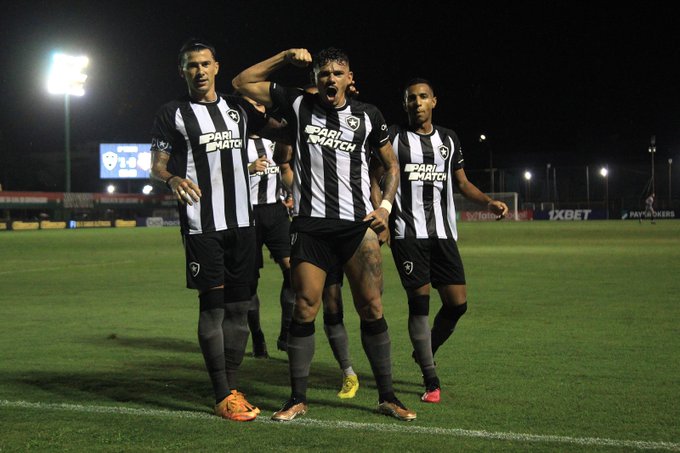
(199, 152)
(334, 222)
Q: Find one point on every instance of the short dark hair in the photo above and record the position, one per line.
(330, 54)
(192, 45)
(416, 81)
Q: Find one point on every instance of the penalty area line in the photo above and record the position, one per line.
(400, 427)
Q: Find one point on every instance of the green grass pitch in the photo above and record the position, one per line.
(571, 343)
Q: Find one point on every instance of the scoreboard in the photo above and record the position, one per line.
(124, 160)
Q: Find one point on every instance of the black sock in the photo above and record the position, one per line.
(235, 337)
(445, 323)
(419, 332)
(376, 342)
(254, 318)
(210, 316)
(300, 354)
(287, 301)
(337, 338)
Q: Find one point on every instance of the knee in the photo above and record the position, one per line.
(306, 308)
(371, 309)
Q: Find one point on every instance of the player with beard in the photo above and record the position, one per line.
(423, 226)
(198, 150)
(334, 221)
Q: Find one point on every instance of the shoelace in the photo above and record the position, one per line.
(347, 385)
(240, 403)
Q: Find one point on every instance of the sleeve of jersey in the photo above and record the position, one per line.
(378, 136)
(256, 119)
(162, 130)
(459, 161)
(283, 97)
(392, 132)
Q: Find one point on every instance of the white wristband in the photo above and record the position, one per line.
(387, 205)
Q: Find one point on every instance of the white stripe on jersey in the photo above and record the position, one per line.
(442, 216)
(240, 171)
(193, 212)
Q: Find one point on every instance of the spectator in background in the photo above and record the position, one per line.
(649, 208)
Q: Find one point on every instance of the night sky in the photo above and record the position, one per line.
(573, 83)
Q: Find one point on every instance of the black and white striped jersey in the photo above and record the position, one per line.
(265, 186)
(207, 144)
(423, 205)
(331, 153)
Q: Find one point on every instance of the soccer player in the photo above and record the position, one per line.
(272, 226)
(199, 152)
(649, 208)
(267, 180)
(423, 226)
(334, 223)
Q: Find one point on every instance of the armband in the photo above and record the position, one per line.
(387, 205)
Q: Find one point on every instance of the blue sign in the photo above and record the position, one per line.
(124, 160)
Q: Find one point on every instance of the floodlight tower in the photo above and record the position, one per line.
(66, 77)
(482, 140)
(527, 178)
(604, 172)
(652, 151)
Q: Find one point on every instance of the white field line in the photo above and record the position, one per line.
(396, 427)
(55, 268)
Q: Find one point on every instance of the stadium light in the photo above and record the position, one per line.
(147, 189)
(482, 140)
(66, 77)
(652, 151)
(527, 178)
(604, 172)
(110, 188)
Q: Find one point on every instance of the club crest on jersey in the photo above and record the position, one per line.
(160, 144)
(408, 267)
(352, 122)
(233, 114)
(195, 268)
(443, 151)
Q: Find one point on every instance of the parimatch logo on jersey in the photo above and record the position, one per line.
(219, 140)
(323, 136)
(424, 172)
(270, 170)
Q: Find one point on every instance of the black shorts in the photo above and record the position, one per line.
(334, 276)
(423, 261)
(273, 230)
(326, 243)
(218, 258)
